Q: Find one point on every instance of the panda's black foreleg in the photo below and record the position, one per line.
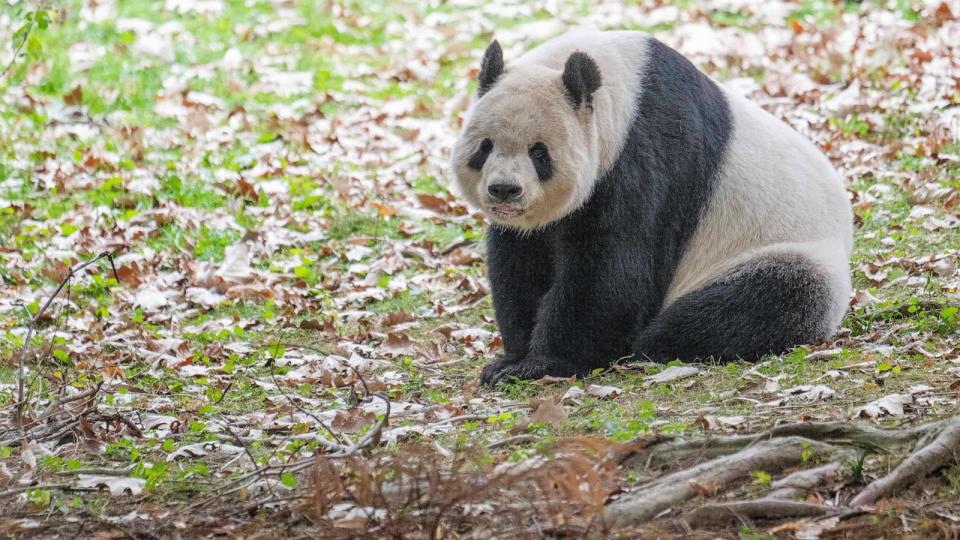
(520, 268)
(766, 305)
(584, 321)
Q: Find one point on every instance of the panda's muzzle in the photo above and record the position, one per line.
(505, 200)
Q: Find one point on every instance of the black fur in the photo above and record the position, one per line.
(542, 162)
(490, 68)
(480, 156)
(574, 296)
(581, 78)
(766, 305)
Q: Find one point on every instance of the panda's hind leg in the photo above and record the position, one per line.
(767, 304)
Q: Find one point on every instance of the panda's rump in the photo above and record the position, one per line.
(775, 299)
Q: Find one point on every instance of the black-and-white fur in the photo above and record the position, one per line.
(640, 208)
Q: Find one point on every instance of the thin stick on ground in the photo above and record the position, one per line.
(58, 487)
(944, 449)
(54, 408)
(51, 431)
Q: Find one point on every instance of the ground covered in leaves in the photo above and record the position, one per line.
(287, 333)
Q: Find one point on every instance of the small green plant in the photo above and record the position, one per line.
(806, 453)
(854, 468)
(41, 498)
(746, 533)
(761, 478)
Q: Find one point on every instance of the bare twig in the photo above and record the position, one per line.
(49, 432)
(456, 244)
(334, 446)
(97, 472)
(52, 487)
(338, 449)
(33, 323)
(55, 407)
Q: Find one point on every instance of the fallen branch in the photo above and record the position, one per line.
(943, 449)
(776, 505)
(732, 458)
(96, 471)
(670, 490)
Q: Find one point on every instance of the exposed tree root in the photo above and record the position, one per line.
(730, 459)
(733, 513)
(772, 455)
(798, 484)
(676, 451)
(943, 449)
(673, 451)
(860, 434)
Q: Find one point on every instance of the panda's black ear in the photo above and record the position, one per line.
(491, 68)
(581, 78)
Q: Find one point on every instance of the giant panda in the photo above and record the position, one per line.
(640, 209)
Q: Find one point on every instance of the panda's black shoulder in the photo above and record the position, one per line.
(677, 99)
(681, 112)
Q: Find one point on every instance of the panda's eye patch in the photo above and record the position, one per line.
(538, 150)
(480, 156)
(541, 161)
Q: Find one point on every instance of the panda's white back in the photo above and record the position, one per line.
(775, 193)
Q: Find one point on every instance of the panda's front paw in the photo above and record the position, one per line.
(532, 367)
(491, 372)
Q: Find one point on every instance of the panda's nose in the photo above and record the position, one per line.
(504, 192)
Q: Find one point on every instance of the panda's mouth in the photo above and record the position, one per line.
(506, 210)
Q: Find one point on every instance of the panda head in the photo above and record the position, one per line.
(527, 155)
